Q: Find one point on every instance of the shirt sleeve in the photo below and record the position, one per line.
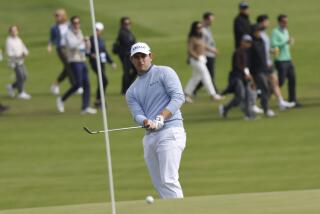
(135, 108)
(174, 89)
(52, 36)
(9, 49)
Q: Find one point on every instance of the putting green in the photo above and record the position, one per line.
(290, 202)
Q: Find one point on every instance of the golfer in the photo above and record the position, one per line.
(154, 99)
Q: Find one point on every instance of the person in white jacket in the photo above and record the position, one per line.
(17, 51)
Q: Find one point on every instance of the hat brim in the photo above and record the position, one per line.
(140, 51)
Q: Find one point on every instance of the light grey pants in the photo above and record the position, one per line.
(162, 153)
(21, 76)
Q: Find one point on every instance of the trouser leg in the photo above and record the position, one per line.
(169, 150)
(67, 70)
(77, 73)
(210, 66)
(21, 76)
(198, 66)
(104, 78)
(250, 100)
(152, 161)
(281, 68)
(163, 155)
(86, 87)
(291, 83)
(262, 84)
(239, 95)
(193, 81)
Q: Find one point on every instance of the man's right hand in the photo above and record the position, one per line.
(149, 124)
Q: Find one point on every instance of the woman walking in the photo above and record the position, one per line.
(17, 51)
(197, 60)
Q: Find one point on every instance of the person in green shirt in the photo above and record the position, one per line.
(281, 42)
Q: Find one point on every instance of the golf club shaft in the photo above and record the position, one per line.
(121, 129)
(110, 130)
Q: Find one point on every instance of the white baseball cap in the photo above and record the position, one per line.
(99, 26)
(140, 47)
(246, 38)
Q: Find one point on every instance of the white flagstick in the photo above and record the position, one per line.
(104, 112)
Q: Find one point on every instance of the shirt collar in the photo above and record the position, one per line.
(141, 75)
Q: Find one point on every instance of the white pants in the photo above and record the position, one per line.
(162, 154)
(201, 73)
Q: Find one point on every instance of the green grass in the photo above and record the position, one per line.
(292, 202)
(47, 160)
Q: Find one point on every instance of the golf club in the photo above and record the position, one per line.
(110, 130)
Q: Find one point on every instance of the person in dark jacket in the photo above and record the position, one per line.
(241, 24)
(104, 58)
(57, 32)
(259, 69)
(124, 42)
(240, 81)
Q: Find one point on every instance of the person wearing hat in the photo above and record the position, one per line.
(240, 81)
(104, 58)
(155, 99)
(259, 69)
(241, 24)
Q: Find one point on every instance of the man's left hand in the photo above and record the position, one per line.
(159, 122)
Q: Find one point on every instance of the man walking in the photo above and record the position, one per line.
(57, 33)
(241, 24)
(77, 46)
(281, 40)
(155, 99)
(207, 19)
(104, 59)
(263, 22)
(259, 69)
(240, 81)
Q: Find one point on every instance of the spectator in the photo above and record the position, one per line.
(17, 52)
(76, 46)
(122, 46)
(197, 59)
(241, 24)
(240, 81)
(104, 58)
(281, 40)
(263, 22)
(259, 69)
(57, 33)
(207, 19)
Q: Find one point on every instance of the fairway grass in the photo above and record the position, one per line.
(290, 202)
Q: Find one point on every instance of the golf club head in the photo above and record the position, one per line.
(88, 130)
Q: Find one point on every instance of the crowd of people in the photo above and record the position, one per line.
(252, 77)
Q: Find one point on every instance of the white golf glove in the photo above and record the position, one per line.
(158, 122)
